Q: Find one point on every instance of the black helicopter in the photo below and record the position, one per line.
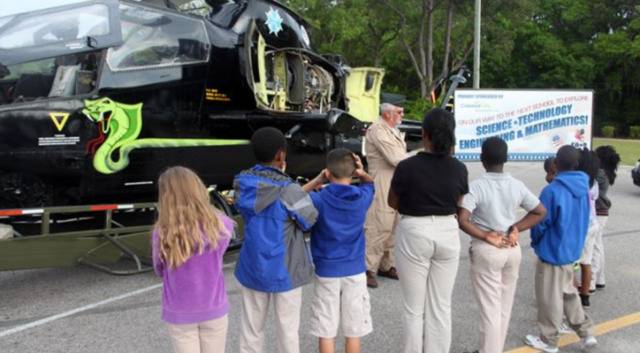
(97, 97)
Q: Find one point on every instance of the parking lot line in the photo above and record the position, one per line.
(600, 329)
(49, 319)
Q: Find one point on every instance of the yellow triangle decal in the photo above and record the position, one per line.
(59, 120)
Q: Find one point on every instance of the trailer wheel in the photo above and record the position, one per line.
(19, 191)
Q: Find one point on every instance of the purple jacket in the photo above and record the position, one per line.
(194, 292)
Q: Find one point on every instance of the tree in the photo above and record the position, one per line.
(357, 29)
(584, 44)
(593, 44)
(419, 44)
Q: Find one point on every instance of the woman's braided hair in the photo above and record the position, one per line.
(609, 160)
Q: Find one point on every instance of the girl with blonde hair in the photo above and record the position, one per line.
(188, 242)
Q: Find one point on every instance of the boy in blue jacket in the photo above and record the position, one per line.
(273, 263)
(558, 241)
(338, 249)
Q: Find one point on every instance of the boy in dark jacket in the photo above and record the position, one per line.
(338, 249)
(273, 263)
(558, 241)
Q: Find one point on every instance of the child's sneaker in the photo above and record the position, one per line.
(537, 343)
(589, 341)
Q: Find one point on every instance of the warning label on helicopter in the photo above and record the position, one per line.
(212, 94)
(58, 140)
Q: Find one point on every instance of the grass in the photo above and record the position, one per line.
(629, 150)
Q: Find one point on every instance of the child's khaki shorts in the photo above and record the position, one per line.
(341, 300)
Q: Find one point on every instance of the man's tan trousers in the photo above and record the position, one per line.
(555, 295)
(494, 275)
(380, 240)
(255, 306)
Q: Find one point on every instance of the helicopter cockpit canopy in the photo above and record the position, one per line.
(82, 45)
(72, 28)
(153, 39)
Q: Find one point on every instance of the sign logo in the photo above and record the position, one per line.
(274, 21)
(557, 141)
(59, 120)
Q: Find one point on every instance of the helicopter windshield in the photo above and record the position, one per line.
(62, 26)
(46, 32)
(15, 7)
(155, 38)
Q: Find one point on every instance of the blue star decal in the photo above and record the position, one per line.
(274, 21)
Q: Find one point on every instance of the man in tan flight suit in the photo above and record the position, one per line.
(385, 148)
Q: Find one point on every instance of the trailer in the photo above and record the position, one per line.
(112, 238)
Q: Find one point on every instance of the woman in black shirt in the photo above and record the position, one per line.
(425, 190)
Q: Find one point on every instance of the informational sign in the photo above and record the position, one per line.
(58, 140)
(534, 123)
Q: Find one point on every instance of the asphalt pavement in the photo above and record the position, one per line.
(80, 310)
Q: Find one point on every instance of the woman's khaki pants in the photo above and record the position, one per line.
(204, 337)
(427, 256)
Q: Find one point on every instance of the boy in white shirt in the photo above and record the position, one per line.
(488, 214)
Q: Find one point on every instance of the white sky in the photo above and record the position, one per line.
(8, 7)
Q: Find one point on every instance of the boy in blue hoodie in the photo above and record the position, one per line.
(558, 241)
(338, 249)
(273, 263)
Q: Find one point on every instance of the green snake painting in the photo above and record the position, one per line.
(119, 127)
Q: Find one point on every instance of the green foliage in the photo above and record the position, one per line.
(592, 44)
(416, 108)
(634, 132)
(608, 131)
(358, 29)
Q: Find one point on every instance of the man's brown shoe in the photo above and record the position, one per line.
(371, 280)
(390, 273)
